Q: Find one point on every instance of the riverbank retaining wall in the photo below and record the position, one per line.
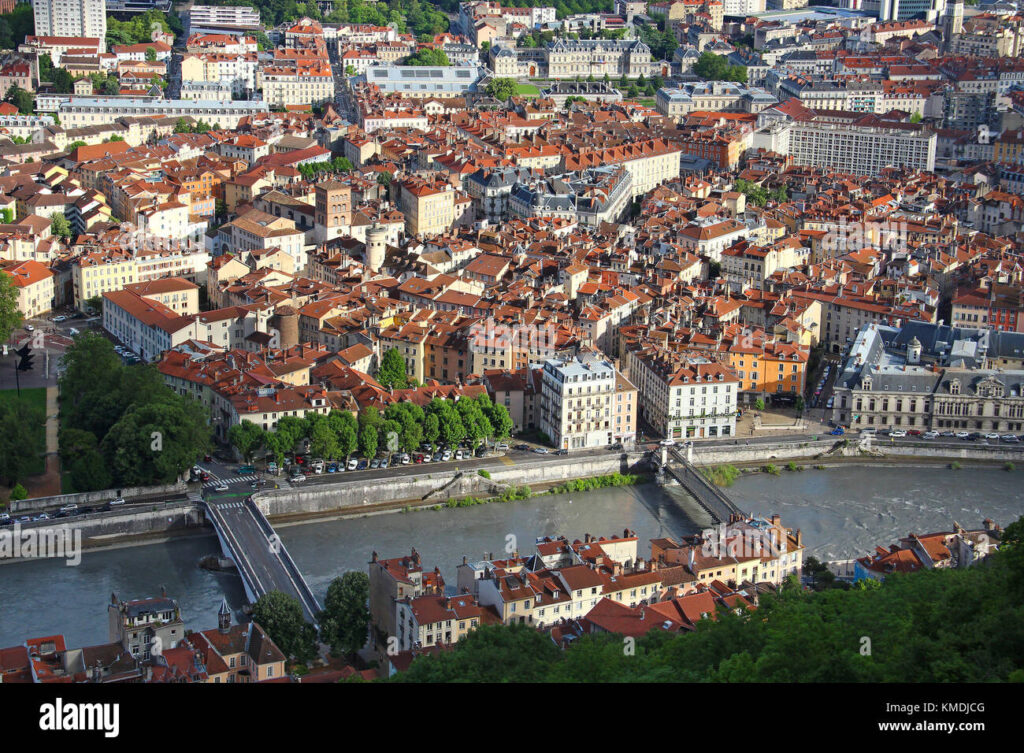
(109, 528)
(836, 448)
(351, 495)
(39, 504)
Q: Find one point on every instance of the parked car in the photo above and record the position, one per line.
(541, 450)
(992, 436)
(59, 319)
(353, 463)
(930, 435)
(962, 435)
(501, 446)
(562, 452)
(29, 328)
(375, 463)
(332, 468)
(446, 456)
(385, 462)
(522, 447)
(405, 459)
(1011, 438)
(897, 433)
(838, 431)
(245, 469)
(115, 502)
(69, 508)
(913, 432)
(480, 451)
(296, 478)
(363, 465)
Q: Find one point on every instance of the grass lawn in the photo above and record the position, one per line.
(37, 398)
(527, 90)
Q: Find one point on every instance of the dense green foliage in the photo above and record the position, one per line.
(931, 626)
(759, 195)
(281, 616)
(661, 41)
(139, 28)
(345, 619)
(599, 482)
(501, 88)
(22, 439)
(122, 424)
(10, 316)
(428, 56)
(402, 427)
(25, 101)
(721, 475)
(717, 68)
(311, 170)
(16, 25)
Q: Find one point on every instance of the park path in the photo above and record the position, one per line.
(47, 484)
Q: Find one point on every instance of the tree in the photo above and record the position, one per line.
(10, 316)
(916, 118)
(717, 68)
(21, 434)
(428, 56)
(392, 373)
(323, 441)
(759, 404)
(368, 441)
(384, 179)
(25, 101)
(246, 437)
(502, 88)
(59, 225)
(280, 615)
(151, 54)
(345, 619)
(18, 492)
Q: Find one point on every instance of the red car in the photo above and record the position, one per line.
(300, 460)
(204, 476)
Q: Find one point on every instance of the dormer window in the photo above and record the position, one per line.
(954, 387)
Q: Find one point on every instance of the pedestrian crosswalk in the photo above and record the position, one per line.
(215, 482)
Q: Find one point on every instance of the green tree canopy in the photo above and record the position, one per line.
(281, 616)
(392, 374)
(10, 315)
(345, 619)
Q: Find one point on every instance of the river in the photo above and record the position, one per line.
(842, 512)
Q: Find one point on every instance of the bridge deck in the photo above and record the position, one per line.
(709, 496)
(261, 558)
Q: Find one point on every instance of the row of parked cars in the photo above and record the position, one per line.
(68, 511)
(970, 436)
(301, 466)
(127, 354)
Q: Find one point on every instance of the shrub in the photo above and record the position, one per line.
(18, 492)
(955, 465)
(791, 466)
(722, 475)
(770, 468)
(1008, 466)
(484, 473)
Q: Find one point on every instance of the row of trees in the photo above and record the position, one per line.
(401, 427)
(940, 625)
(309, 171)
(122, 425)
(16, 25)
(717, 68)
(344, 620)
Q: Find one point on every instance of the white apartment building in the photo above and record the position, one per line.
(578, 402)
(861, 149)
(684, 397)
(78, 112)
(71, 18)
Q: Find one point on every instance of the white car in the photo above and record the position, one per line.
(353, 463)
(930, 435)
(962, 435)
(897, 433)
(221, 487)
(993, 436)
(406, 459)
(501, 446)
(541, 450)
(297, 478)
(29, 328)
(59, 319)
(446, 456)
(668, 443)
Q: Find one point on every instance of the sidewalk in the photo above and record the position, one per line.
(815, 422)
